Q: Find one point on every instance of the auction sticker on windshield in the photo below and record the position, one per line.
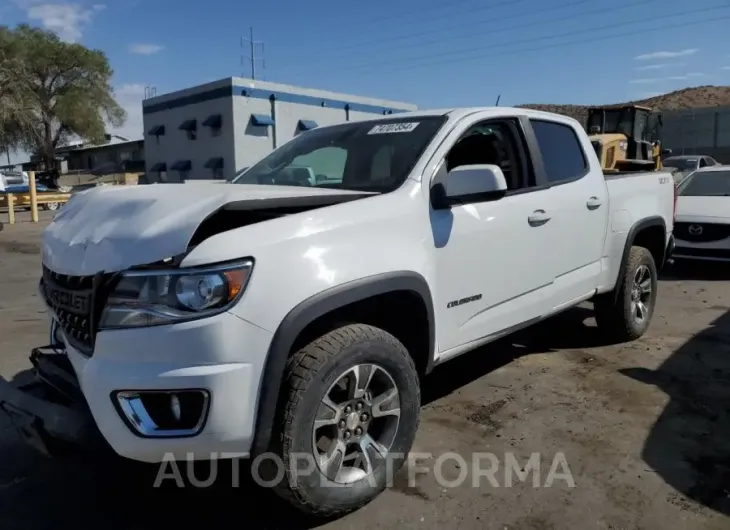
(393, 128)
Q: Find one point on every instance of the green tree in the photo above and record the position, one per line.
(11, 99)
(58, 91)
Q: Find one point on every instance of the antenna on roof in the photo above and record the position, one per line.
(498, 98)
(252, 57)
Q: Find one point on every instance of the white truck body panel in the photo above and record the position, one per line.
(522, 272)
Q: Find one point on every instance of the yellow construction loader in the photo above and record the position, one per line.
(626, 138)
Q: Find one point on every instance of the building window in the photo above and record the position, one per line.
(261, 120)
(191, 128)
(157, 131)
(216, 167)
(306, 125)
(160, 169)
(214, 122)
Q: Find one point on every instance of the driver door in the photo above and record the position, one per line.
(490, 256)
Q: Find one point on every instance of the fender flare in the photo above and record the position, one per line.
(635, 229)
(307, 312)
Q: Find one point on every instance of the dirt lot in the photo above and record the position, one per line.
(644, 428)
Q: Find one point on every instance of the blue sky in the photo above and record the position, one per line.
(432, 53)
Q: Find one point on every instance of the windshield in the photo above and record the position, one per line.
(683, 164)
(362, 156)
(706, 184)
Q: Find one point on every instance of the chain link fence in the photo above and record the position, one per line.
(704, 131)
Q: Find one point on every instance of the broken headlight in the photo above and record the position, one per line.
(153, 297)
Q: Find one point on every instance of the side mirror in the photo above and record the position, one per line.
(466, 184)
(666, 152)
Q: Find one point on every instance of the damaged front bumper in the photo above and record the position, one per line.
(51, 407)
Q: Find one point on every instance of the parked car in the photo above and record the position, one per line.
(19, 182)
(274, 316)
(686, 164)
(703, 215)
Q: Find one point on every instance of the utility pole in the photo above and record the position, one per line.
(252, 45)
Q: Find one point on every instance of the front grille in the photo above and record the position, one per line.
(701, 232)
(718, 253)
(72, 300)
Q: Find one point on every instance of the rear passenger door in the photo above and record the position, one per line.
(577, 200)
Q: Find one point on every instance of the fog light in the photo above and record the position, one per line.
(175, 406)
(163, 413)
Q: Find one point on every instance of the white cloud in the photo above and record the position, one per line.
(684, 77)
(666, 54)
(651, 67)
(725, 68)
(130, 97)
(67, 20)
(145, 49)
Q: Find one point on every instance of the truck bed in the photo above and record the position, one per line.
(625, 174)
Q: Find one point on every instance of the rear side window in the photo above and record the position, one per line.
(561, 151)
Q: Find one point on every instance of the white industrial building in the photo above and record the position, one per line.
(217, 129)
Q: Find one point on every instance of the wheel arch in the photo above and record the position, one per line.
(649, 233)
(316, 307)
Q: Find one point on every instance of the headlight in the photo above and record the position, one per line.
(151, 297)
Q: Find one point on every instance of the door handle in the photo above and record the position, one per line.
(594, 203)
(538, 218)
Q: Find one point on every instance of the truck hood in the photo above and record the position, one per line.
(113, 228)
(695, 208)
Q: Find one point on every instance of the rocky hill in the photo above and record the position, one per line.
(687, 98)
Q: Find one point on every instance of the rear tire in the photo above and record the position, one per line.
(322, 383)
(625, 313)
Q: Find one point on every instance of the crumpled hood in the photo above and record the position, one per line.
(112, 228)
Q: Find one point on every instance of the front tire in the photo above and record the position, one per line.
(625, 313)
(352, 404)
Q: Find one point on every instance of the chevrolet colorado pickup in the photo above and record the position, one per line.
(294, 310)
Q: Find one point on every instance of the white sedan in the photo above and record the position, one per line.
(702, 229)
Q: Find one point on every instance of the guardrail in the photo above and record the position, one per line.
(31, 199)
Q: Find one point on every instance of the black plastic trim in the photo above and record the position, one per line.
(311, 309)
(639, 226)
(199, 430)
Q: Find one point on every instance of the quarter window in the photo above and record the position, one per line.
(562, 154)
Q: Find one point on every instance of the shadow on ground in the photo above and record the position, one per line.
(689, 445)
(89, 493)
(710, 271)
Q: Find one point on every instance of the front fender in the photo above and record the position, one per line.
(311, 309)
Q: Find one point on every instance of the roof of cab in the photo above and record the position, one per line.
(460, 112)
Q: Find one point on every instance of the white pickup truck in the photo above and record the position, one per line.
(277, 315)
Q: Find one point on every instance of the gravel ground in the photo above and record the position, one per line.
(644, 428)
